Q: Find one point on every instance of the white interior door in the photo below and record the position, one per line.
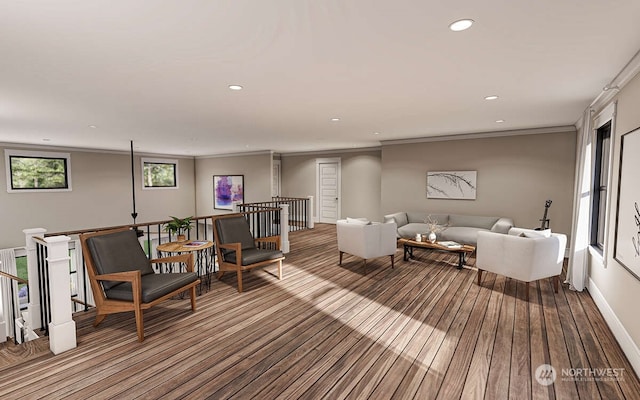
(328, 191)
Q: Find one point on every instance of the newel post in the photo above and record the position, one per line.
(310, 221)
(34, 320)
(284, 227)
(62, 328)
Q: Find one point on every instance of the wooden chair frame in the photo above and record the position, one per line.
(105, 306)
(237, 267)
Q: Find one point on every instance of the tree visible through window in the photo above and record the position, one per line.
(160, 174)
(33, 171)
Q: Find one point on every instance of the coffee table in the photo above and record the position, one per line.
(409, 245)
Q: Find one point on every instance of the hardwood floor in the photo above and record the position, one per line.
(423, 330)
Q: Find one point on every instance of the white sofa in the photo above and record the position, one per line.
(366, 239)
(460, 228)
(523, 254)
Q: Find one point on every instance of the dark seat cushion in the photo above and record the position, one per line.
(252, 256)
(154, 286)
(235, 230)
(118, 252)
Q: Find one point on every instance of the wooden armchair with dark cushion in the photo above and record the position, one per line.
(238, 251)
(122, 278)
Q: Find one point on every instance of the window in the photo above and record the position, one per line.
(159, 173)
(30, 171)
(600, 185)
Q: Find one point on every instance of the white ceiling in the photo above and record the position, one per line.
(157, 72)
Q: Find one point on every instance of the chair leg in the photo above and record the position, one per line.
(555, 283)
(340, 262)
(139, 324)
(99, 319)
(479, 276)
(220, 273)
(239, 273)
(364, 265)
(193, 298)
(392, 260)
(280, 269)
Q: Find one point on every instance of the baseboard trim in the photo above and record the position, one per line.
(627, 344)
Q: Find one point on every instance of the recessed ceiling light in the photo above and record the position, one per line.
(492, 97)
(376, 133)
(92, 126)
(499, 121)
(335, 119)
(235, 87)
(461, 25)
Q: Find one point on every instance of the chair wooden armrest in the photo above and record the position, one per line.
(237, 247)
(186, 258)
(126, 276)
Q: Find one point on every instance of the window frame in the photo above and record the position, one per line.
(9, 153)
(598, 198)
(147, 160)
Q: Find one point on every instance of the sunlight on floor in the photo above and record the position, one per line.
(386, 338)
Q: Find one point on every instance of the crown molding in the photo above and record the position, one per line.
(335, 151)
(483, 135)
(626, 74)
(249, 153)
(20, 146)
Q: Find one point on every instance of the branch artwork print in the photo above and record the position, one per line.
(451, 185)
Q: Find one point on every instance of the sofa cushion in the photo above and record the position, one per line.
(461, 234)
(417, 216)
(410, 230)
(472, 221)
(154, 286)
(129, 257)
(400, 218)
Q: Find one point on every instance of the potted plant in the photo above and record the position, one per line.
(179, 226)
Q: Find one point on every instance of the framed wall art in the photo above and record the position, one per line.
(451, 185)
(227, 189)
(627, 235)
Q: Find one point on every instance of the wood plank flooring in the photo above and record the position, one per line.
(424, 330)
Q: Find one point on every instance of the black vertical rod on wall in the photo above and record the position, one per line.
(134, 214)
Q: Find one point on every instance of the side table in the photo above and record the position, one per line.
(203, 254)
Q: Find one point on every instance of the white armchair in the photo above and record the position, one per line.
(523, 254)
(366, 239)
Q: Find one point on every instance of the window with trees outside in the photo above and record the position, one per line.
(30, 171)
(159, 173)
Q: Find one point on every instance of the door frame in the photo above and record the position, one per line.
(336, 160)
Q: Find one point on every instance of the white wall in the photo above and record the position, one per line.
(516, 174)
(257, 171)
(360, 188)
(618, 288)
(101, 196)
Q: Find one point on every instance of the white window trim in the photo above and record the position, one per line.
(144, 160)
(43, 154)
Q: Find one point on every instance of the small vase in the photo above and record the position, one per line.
(181, 238)
(432, 237)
